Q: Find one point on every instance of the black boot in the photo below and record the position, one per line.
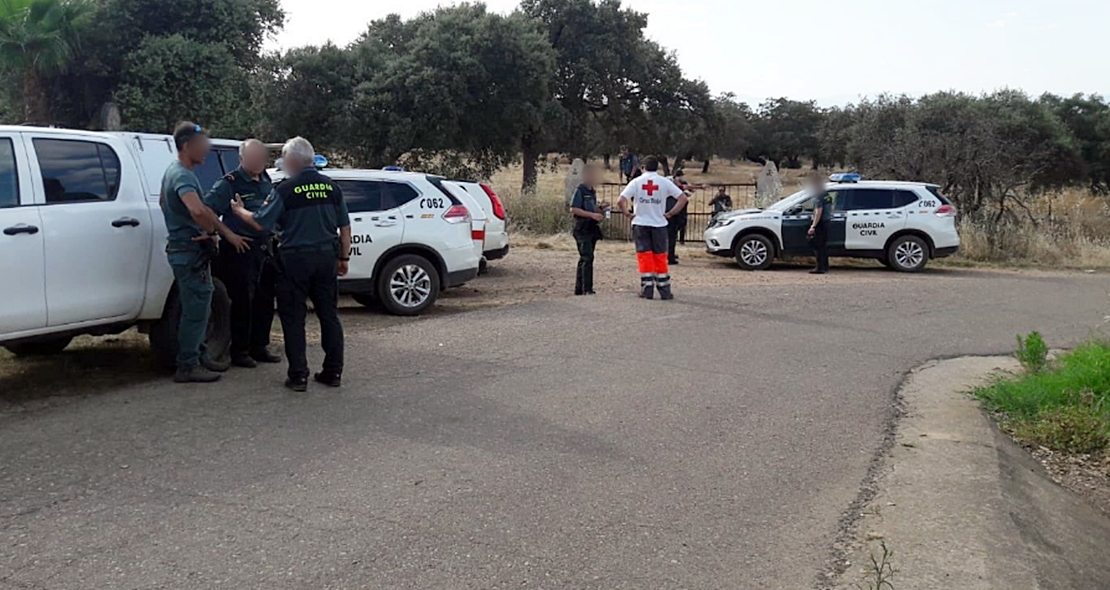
(664, 285)
(647, 287)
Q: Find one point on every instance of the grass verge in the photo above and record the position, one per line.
(1061, 405)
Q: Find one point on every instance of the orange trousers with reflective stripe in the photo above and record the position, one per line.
(651, 249)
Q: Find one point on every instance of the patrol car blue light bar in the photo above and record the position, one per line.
(846, 177)
(393, 169)
(319, 161)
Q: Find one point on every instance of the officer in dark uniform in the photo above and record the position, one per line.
(315, 241)
(822, 217)
(249, 276)
(677, 224)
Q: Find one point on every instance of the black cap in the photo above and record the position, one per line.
(185, 132)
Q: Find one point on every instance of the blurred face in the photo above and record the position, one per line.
(815, 184)
(196, 150)
(589, 175)
(721, 190)
(254, 157)
(624, 151)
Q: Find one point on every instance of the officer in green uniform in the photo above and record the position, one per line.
(249, 276)
(193, 228)
(315, 236)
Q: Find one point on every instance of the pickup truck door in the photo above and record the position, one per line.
(22, 266)
(97, 224)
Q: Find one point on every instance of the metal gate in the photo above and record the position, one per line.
(699, 211)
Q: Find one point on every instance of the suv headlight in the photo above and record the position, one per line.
(723, 222)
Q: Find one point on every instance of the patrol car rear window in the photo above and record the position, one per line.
(903, 198)
(936, 193)
(861, 199)
(361, 196)
(75, 171)
(9, 180)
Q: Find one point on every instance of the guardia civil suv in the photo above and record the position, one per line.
(411, 237)
(901, 224)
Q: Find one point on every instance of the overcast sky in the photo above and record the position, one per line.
(803, 49)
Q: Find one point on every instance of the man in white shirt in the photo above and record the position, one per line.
(649, 193)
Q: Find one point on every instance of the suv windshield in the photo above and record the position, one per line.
(785, 203)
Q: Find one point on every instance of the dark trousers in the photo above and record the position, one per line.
(250, 279)
(820, 244)
(587, 244)
(676, 227)
(310, 275)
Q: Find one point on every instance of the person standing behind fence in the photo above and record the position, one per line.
(721, 202)
(587, 229)
(630, 165)
(649, 194)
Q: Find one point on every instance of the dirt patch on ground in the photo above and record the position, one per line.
(1086, 475)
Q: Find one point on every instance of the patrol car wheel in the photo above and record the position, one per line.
(908, 254)
(754, 252)
(408, 285)
(40, 347)
(163, 333)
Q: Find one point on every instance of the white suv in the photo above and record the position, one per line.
(902, 224)
(411, 237)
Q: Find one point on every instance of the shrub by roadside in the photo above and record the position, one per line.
(1062, 405)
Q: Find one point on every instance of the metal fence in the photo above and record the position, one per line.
(699, 211)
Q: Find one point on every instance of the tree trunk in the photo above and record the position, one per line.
(705, 167)
(36, 107)
(531, 155)
(679, 162)
(665, 165)
(608, 164)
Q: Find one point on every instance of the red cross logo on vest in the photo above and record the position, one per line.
(650, 188)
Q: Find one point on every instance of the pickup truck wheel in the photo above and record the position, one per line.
(408, 285)
(40, 347)
(163, 334)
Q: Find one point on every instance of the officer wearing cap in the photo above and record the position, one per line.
(315, 236)
(250, 275)
(193, 228)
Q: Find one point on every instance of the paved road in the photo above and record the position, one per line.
(712, 442)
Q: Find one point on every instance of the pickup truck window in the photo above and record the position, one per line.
(75, 171)
(9, 178)
(209, 171)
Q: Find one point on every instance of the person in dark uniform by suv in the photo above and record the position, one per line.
(587, 229)
(676, 225)
(315, 238)
(819, 229)
(249, 276)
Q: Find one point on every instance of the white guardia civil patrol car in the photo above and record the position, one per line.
(901, 224)
(411, 237)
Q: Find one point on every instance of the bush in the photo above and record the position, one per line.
(1032, 352)
(1063, 406)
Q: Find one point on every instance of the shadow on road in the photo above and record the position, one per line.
(89, 366)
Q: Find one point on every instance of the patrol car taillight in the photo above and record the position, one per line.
(456, 214)
(498, 208)
(478, 235)
(945, 211)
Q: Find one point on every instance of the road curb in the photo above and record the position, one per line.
(962, 506)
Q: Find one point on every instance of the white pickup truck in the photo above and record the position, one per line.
(82, 239)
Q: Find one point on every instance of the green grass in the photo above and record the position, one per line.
(1063, 405)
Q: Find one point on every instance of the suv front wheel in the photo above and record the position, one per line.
(408, 285)
(754, 252)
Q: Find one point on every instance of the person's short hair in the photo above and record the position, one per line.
(299, 148)
(651, 164)
(185, 132)
(247, 143)
(624, 147)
